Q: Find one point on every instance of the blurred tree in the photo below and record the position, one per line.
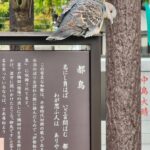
(21, 19)
(123, 117)
(45, 14)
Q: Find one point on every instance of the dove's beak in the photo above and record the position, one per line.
(111, 20)
(109, 17)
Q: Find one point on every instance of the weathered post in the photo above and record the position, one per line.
(123, 78)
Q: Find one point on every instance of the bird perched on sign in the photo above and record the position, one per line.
(83, 18)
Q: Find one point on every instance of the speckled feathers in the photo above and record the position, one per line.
(80, 18)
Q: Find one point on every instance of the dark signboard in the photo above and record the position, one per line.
(44, 100)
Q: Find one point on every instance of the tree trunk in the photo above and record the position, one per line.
(21, 20)
(123, 119)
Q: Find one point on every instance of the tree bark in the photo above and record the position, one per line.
(123, 119)
(21, 20)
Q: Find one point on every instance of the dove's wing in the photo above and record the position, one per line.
(84, 16)
(66, 10)
(80, 18)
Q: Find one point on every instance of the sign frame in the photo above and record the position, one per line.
(95, 43)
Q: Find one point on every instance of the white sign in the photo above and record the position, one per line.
(145, 95)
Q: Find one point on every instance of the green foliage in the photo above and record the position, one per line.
(51, 8)
(43, 23)
(147, 1)
(44, 10)
(42, 17)
(4, 15)
(58, 4)
(4, 11)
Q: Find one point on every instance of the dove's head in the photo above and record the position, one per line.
(110, 11)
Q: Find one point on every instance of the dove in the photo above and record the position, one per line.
(83, 18)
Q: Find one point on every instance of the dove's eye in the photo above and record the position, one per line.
(111, 11)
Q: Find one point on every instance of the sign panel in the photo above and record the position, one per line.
(44, 102)
(145, 95)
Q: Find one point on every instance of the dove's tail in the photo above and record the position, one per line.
(60, 35)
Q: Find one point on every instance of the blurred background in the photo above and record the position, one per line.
(44, 17)
(45, 14)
